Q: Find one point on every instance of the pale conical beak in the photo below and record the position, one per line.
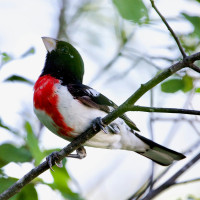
(49, 43)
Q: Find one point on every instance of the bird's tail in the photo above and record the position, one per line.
(159, 153)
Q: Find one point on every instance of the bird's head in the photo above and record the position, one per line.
(63, 61)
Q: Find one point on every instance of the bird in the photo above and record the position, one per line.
(67, 108)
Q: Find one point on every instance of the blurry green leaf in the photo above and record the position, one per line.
(61, 183)
(33, 145)
(190, 42)
(49, 151)
(18, 79)
(28, 52)
(188, 83)
(192, 197)
(5, 58)
(2, 125)
(27, 193)
(61, 177)
(172, 85)
(133, 10)
(10, 153)
(195, 21)
(197, 90)
(5, 183)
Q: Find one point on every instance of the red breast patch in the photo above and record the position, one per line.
(46, 99)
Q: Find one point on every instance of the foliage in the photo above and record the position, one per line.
(137, 13)
(133, 10)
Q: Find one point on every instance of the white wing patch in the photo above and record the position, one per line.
(93, 92)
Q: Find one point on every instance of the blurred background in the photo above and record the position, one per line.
(123, 43)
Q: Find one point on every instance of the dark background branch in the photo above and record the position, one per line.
(171, 181)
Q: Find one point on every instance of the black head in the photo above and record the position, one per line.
(63, 61)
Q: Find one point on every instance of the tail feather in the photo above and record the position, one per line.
(159, 153)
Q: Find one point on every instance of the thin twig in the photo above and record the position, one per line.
(186, 152)
(171, 181)
(188, 181)
(113, 60)
(195, 68)
(151, 137)
(140, 191)
(170, 29)
(163, 110)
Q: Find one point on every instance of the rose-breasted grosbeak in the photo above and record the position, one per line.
(67, 107)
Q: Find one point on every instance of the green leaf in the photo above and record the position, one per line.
(133, 10)
(18, 79)
(5, 183)
(197, 90)
(61, 183)
(33, 145)
(3, 125)
(10, 153)
(195, 21)
(172, 85)
(188, 83)
(5, 58)
(49, 151)
(27, 193)
(28, 52)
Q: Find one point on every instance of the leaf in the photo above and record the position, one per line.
(172, 85)
(33, 145)
(49, 151)
(197, 90)
(195, 21)
(18, 79)
(188, 83)
(28, 192)
(5, 58)
(10, 153)
(5, 183)
(133, 10)
(28, 52)
(61, 183)
(2, 125)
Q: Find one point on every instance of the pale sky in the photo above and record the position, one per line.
(103, 174)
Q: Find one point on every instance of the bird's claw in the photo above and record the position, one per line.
(80, 153)
(98, 123)
(53, 158)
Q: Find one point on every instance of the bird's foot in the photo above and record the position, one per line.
(98, 124)
(53, 158)
(80, 153)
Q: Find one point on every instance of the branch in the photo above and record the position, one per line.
(113, 60)
(80, 140)
(152, 83)
(16, 187)
(188, 181)
(195, 68)
(170, 29)
(163, 110)
(171, 181)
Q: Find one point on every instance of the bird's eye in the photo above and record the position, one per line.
(64, 50)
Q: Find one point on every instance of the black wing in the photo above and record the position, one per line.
(94, 99)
